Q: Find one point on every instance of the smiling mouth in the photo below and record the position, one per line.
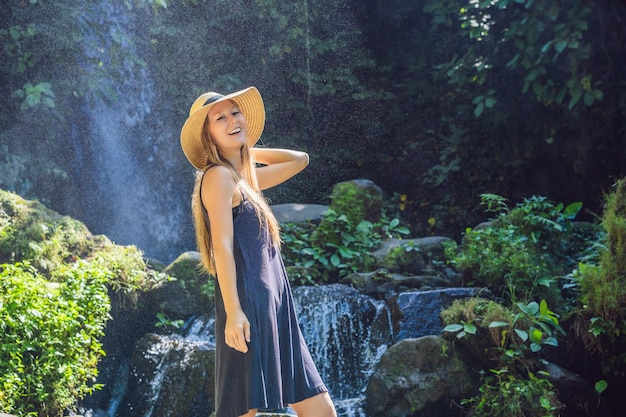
(235, 131)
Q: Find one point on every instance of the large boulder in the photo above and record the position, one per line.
(578, 395)
(419, 377)
(170, 376)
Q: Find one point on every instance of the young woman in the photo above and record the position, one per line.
(262, 361)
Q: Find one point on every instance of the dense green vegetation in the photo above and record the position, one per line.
(437, 101)
(56, 280)
(536, 252)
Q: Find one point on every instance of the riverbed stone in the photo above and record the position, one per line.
(419, 377)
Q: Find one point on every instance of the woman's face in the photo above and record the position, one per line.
(227, 126)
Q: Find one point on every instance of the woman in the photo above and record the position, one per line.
(262, 361)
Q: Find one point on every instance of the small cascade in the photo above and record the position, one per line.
(347, 333)
(171, 375)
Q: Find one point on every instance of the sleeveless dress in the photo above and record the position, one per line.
(277, 369)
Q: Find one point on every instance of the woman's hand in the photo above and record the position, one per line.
(237, 331)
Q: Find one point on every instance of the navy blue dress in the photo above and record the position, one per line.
(277, 369)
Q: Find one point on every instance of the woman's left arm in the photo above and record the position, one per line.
(278, 165)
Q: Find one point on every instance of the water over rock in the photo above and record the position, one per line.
(170, 376)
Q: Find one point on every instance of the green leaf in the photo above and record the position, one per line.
(598, 94)
(536, 335)
(453, 328)
(551, 341)
(572, 210)
(498, 324)
(521, 334)
(601, 386)
(575, 94)
(560, 45)
(479, 109)
(469, 328)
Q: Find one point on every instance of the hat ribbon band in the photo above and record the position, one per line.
(213, 99)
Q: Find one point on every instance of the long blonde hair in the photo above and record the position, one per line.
(248, 187)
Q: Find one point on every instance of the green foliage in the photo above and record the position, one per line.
(505, 395)
(164, 321)
(602, 287)
(511, 387)
(522, 253)
(336, 250)
(513, 336)
(30, 232)
(49, 338)
(534, 37)
(34, 95)
(55, 281)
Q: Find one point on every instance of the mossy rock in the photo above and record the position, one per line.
(31, 232)
(377, 284)
(481, 312)
(189, 292)
(412, 256)
(358, 199)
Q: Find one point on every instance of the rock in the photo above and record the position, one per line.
(359, 199)
(170, 376)
(412, 256)
(299, 213)
(419, 377)
(579, 397)
(379, 284)
(420, 310)
(184, 296)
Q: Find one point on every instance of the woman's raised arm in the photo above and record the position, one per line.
(278, 165)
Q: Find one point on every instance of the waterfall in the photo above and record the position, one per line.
(121, 143)
(347, 333)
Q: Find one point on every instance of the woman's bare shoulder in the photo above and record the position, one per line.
(218, 180)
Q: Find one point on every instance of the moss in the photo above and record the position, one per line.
(32, 233)
(356, 202)
(604, 286)
(481, 313)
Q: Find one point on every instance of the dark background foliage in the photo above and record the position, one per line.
(435, 101)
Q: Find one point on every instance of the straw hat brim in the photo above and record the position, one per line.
(251, 106)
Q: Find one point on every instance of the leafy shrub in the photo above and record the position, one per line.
(55, 281)
(505, 395)
(510, 342)
(49, 338)
(337, 247)
(523, 253)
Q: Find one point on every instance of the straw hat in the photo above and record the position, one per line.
(251, 106)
